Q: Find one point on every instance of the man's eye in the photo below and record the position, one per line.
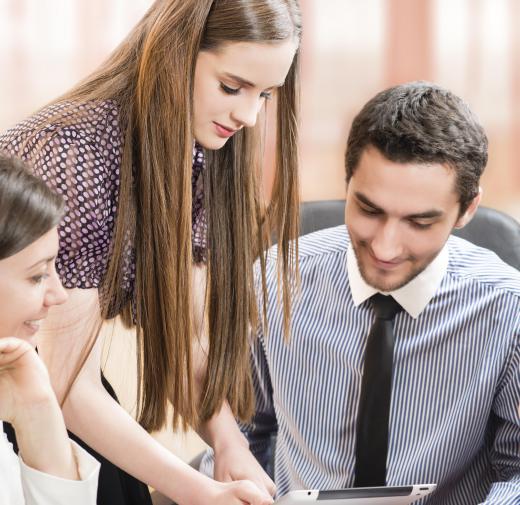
(421, 226)
(228, 90)
(369, 212)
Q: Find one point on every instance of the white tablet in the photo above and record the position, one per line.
(397, 495)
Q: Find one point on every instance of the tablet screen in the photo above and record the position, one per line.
(392, 495)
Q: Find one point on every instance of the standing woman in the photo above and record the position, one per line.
(48, 470)
(159, 161)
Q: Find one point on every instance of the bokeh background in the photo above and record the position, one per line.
(351, 50)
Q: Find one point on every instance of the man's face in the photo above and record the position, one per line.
(399, 216)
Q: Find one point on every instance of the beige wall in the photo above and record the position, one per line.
(351, 50)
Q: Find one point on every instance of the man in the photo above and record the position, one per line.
(415, 154)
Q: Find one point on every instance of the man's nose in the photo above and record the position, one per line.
(387, 244)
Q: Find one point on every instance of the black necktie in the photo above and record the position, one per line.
(376, 390)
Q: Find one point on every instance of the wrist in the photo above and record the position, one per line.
(235, 440)
(222, 431)
(38, 409)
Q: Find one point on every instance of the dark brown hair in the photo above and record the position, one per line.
(423, 123)
(150, 76)
(28, 208)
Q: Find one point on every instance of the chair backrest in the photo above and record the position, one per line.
(489, 228)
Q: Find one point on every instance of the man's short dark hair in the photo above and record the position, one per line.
(420, 122)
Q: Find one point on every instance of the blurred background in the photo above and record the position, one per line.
(351, 50)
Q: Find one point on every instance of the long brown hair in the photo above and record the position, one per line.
(150, 76)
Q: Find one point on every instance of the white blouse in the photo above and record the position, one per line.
(22, 485)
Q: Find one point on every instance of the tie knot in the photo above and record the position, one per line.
(385, 307)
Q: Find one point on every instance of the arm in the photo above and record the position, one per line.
(50, 467)
(104, 425)
(506, 447)
(234, 460)
(245, 453)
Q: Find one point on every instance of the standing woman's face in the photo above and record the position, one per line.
(29, 287)
(232, 84)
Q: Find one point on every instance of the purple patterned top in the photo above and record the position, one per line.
(81, 160)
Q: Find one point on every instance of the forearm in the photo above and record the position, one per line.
(104, 425)
(222, 430)
(43, 441)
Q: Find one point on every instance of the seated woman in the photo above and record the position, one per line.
(49, 468)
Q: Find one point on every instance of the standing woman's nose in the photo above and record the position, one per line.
(246, 110)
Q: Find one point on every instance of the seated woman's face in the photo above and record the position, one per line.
(29, 287)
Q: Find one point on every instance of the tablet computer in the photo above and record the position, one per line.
(391, 495)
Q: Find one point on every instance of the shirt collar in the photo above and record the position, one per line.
(414, 296)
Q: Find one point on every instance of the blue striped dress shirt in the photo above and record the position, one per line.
(454, 417)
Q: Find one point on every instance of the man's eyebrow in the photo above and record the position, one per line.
(428, 214)
(245, 82)
(46, 260)
(363, 199)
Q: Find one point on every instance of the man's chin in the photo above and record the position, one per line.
(386, 283)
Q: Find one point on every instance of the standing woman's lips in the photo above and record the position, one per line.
(223, 131)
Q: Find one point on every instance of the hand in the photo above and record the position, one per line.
(234, 462)
(242, 492)
(30, 405)
(24, 381)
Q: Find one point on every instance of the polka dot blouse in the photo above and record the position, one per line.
(81, 160)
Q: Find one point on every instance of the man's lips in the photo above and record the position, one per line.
(385, 265)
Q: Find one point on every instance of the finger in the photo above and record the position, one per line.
(8, 343)
(268, 483)
(221, 475)
(266, 486)
(12, 349)
(271, 487)
(251, 494)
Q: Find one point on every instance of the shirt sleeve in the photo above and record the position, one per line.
(506, 447)
(43, 489)
(263, 427)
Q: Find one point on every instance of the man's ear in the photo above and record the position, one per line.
(470, 211)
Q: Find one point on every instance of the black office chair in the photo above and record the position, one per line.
(489, 228)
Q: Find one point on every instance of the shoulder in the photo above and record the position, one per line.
(92, 124)
(319, 247)
(482, 268)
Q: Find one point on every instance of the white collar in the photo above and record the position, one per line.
(414, 296)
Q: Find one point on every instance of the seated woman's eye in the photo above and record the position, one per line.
(267, 95)
(228, 90)
(37, 279)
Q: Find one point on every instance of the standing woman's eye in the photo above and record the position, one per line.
(228, 90)
(267, 95)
